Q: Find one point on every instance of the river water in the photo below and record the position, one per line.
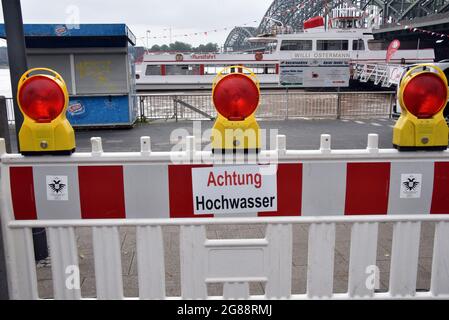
(5, 83)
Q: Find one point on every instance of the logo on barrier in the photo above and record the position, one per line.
(411, 185)
(57, 188)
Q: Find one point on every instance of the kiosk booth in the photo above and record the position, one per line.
(97, 64)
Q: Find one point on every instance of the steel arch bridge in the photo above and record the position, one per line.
(293, 13)
(236, 38)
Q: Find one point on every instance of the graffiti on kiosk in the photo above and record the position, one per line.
(96, 70)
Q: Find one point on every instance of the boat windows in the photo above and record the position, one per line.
(182, 69)
(377, 44)
(261, 68)
(296, 45)
(358, 45)
(213, 69)
(332, 45)
(153, 70)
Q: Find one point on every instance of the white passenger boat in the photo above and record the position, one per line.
(344, 37)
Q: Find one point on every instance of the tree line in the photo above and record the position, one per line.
(182, 47)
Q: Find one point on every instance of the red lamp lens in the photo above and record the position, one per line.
(425, 95)
(41, 98)
(236, 97)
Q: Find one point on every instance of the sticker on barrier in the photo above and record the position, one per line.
(57, 188)
(233, 190)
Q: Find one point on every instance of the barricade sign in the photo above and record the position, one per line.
(192, 189)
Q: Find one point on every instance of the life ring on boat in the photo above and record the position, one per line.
(179, 57)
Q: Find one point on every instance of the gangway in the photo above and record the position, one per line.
(385, 75)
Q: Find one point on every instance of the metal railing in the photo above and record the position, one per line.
(273, 105)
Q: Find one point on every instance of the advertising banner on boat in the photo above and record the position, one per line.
(395, 74)
(314, 73)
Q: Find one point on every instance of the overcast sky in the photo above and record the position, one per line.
(184, 17)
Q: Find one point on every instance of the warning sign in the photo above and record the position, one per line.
(234, 189)
(411, 185)
(57, 188)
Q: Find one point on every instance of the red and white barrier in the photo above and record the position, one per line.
(306, 188)
(148, 190)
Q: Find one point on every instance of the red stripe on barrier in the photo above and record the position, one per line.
(289, 191)
(101, 192)
(181, 192)
(367, 187)
(22, 193)
(440, 195)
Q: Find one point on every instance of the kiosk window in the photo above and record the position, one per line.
(101, 74)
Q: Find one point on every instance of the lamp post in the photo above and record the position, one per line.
(12, 14)
(278, 22)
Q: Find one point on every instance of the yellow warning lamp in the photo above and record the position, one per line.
(42, 97)
(236, 97)
(422, 94)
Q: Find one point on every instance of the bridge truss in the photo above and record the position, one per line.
(293, 13)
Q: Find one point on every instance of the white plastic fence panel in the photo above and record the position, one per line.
(108, 264)
(362, 256)
(440, 264)
(193, 260)
(320, 265)
(280, 248)
(23, 267)
(64, 263)
(236, 262)
(150, 262)
(404, 258)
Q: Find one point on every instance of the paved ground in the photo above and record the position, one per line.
(301, 134)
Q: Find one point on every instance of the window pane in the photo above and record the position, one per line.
(332, 45)
(299, 45)
(358, 45)
(213, 69)
(153, 71)
(182, 69)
